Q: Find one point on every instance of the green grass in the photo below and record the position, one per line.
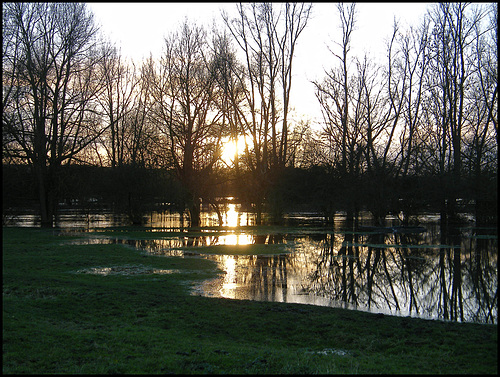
(58, 321)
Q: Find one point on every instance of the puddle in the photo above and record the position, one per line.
(96, 240)
(330, 351)
(125, 270)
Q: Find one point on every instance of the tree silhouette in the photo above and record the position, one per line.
(50, 84)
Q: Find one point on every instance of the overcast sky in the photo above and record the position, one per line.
(139, 28)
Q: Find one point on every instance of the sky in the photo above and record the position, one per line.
(139, 29)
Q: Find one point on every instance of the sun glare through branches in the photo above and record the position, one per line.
(231, 149)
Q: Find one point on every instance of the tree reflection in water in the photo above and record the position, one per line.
(456, 282)
(398, 273)
(450, 276)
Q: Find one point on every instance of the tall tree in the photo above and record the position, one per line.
(267, 37)
(406, 70)
(335, 94)
(248, 32)
(296, 17)
(50, 83)
(186, 111)
(481, 139)
(451, 81)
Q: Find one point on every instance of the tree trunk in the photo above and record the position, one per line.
(46, 208)
(258, 213)
(45, 198)
(194, 212)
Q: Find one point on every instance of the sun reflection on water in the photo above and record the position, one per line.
(236, 239)
(231, 216)
(228, 289)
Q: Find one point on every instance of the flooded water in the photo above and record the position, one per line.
(90, 219)
(418, 271)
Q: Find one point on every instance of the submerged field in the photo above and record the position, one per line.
(107, 308)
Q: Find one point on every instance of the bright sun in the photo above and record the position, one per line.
(230, 148)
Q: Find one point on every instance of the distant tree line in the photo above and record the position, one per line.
(418, 131)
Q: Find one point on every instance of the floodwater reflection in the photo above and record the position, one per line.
(421, 272)
(450, 282)
(399, 274)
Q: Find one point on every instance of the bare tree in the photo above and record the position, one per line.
(186, 112)
(333, 93)
(336, 94)
(411, 68)
(296, 18)
(144, 137)
(248, 32)
(229, 75)
(450, 83)
(267, 37)
(481, 138)
(406, 130)
(116, 100)
(50, 84)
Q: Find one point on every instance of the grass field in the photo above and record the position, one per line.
(56, 320)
